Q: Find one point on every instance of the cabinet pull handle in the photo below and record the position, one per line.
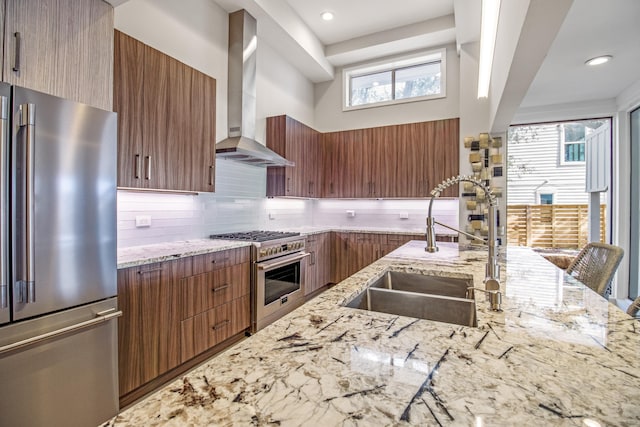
(152, 270)
(213, 261)
(210, 175)
(288, 185)
(310, 188)
(331, 188)
(137, 167)
(148, 167)
(219, 288)
(313, 258)
(16, 58)
(221, 324)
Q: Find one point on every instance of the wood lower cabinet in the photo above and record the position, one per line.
(210, 313)
(166, 120)
(351, 252)
(175, 310)
(318, 268)
(63, 48)
(148, 331)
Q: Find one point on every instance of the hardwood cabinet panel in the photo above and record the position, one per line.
(127, 102)
(391, 161)
(155, 112)
(214, 326)
(169, 123)
(318, 268)
(241, 314)
(148, 331)
(213, 261)
(203, 132)
(300, 144)
(66, 48)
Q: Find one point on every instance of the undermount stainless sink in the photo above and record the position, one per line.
(425, 284)
(442, 299)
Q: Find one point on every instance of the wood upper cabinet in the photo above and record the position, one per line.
(63, 48)
(348, 169)
(166, 120)
(405, 160)
(300, 144)
(148, 331)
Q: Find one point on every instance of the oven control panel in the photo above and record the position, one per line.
(279, 249)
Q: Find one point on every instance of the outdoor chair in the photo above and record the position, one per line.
(595, 266)
(634, 307)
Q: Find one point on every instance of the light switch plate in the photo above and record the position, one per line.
(143, 221)
(351, 214)
(404, 215)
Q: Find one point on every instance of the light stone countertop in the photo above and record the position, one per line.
(148, 254)
(558, 354)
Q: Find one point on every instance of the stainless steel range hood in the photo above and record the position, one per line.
(241, 145)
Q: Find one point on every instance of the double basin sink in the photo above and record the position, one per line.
(439, 298)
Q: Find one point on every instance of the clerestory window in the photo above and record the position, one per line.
(413, 78)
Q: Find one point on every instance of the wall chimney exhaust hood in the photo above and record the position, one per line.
(241, 145)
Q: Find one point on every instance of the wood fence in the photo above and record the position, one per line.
(551, 226)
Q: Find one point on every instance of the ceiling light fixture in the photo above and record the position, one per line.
(488, 32)
(599, 60)
(327, 16)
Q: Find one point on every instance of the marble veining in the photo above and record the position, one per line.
(157, 252)
(148, 254)
(557, 354)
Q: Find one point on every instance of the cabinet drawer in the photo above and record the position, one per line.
(207, 329)
(208, 290)
(204, 263)
(367, 238)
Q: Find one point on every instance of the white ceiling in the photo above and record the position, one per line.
(591, 28)
(366, 29)
(357, 18)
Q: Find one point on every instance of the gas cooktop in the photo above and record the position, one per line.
(255, 236)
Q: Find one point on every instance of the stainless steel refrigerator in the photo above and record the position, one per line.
(58, 306)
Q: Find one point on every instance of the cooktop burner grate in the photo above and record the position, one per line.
(255, 236)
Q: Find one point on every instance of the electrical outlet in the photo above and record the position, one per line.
(351, 214)
(404, 215)
(143, 221)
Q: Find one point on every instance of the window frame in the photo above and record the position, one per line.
(396, 63)
(564, 143)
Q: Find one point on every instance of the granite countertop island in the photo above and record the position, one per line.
(557, 354)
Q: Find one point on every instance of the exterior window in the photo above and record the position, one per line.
(407, 79)
(546, 199)
(573, 142)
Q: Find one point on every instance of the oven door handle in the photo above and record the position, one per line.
(281, 261)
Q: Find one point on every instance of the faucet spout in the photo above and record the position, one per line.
(492, 268)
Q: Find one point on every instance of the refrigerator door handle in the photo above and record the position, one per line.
(27, 281)
(4, 236)
(101, 317)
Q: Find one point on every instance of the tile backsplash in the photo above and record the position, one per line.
(239, 204)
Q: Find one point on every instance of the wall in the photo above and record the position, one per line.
(177, 217)
(330, 117)
(195, 32)
(541, 156)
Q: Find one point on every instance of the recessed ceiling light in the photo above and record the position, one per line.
(599, 60)
(327, 16)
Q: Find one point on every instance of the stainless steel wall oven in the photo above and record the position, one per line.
(278, 274)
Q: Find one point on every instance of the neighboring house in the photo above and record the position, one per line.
(546, 162)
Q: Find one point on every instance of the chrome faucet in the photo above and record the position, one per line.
(492, 272)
